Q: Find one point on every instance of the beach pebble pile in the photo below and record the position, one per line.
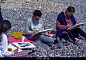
(18, 13)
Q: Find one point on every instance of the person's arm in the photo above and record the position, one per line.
(28, 27)
(59, 26)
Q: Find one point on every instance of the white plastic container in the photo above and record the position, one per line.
(23, 39)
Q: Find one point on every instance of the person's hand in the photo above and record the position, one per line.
(16, 50)
(35, 31)
(69, 25)
(82, 24)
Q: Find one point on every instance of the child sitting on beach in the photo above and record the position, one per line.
(4, 28)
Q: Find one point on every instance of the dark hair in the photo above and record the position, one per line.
(37, 13)
(4, 26)
(71, 9)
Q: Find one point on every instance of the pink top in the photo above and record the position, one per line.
(68, 20)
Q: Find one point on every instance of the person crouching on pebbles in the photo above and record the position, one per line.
(65, 20)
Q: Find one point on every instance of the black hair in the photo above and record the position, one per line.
(71, 9)
(4, 26)
(37, 13)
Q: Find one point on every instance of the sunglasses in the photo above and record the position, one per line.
(37, 18)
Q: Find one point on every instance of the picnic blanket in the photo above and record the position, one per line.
(12, 40)
(16, 37)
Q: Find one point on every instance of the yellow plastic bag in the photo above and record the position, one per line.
(16, 35)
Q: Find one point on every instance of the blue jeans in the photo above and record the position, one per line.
(42, 37)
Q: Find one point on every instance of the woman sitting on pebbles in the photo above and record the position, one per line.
(65, 20)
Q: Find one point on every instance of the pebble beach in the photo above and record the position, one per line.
(17, 12)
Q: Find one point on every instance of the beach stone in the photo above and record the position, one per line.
(68, 50)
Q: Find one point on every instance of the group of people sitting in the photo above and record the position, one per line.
(34, 24)
(64, 20)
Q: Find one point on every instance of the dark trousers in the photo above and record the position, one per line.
(78, 30)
